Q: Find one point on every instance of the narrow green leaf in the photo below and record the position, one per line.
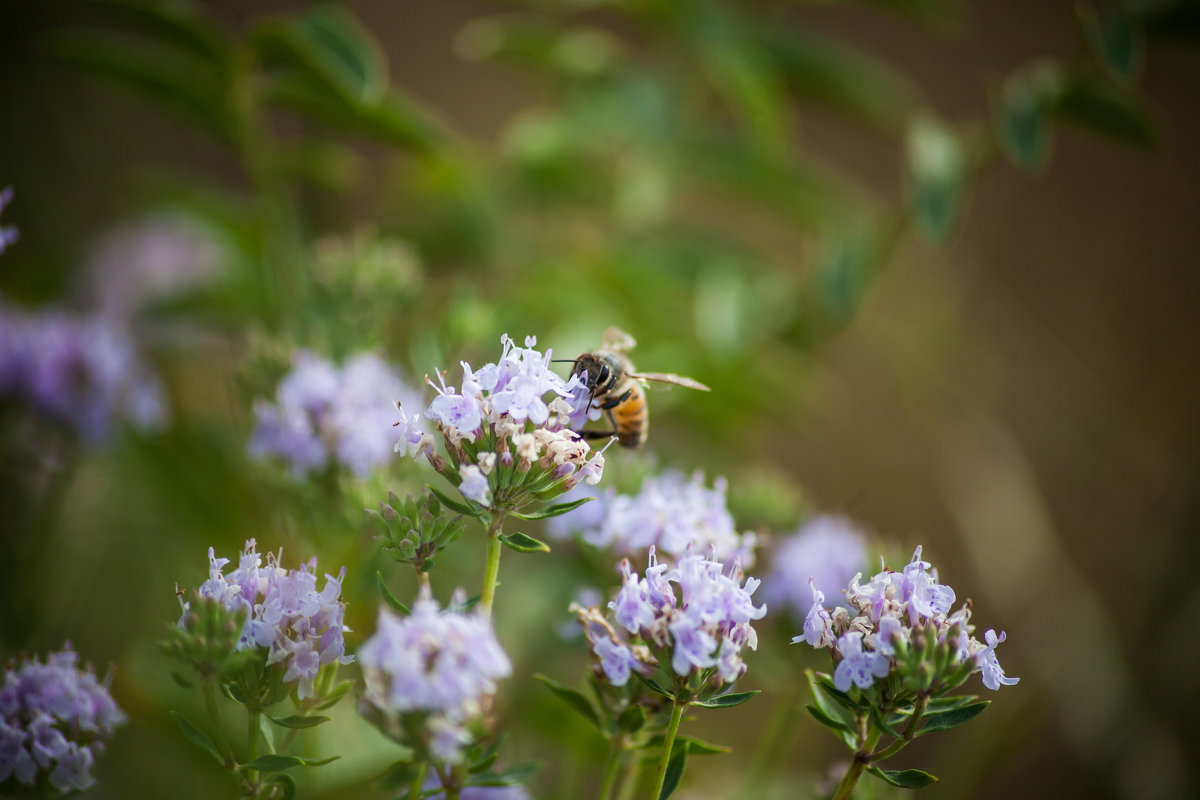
(453, 505)
(905, 778)
(524, 544)
(834, 703)
(388, 597)
(650, 682)
(267, 732)
(513, 775)
(181, 681)
(937, 166)
(555, 510)
(484, 763)
(883, 724)
(197, 737)
(940, 704)
(946, 720)
(1103, 108)
(334, 46)
(826, 720)
(699, 747)
(1116, 41)
(275, 762)
(675, 769)
(571, 697)
(1022, 113)
(726, 700)
(183, 25)
(335, 694)
(299, 721)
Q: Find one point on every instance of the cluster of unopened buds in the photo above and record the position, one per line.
(508, 434)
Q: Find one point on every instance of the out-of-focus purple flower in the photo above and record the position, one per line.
(54, 719)
(82, 371)
(8, 233)
(671, 513)
(828, 549)
(441, 664)
(324, 414)
(886, 614)
(151, 259)
(859, 667)
(294, 622)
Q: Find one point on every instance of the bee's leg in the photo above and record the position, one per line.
(611, 404)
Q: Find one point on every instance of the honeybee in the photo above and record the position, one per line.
(618, 390)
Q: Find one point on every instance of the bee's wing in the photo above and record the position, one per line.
(617, 340)
(668, 377)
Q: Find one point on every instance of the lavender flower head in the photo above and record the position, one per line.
(827, 549)
(323, 414)
(507, 431)
(294, 622)
(437, 664)
(54, 718)
(671, 513)
(695, 617)
(891, 621)
(81, 371)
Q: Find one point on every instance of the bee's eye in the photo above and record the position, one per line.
(603, 376)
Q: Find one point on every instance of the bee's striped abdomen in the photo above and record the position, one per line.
(630, 418)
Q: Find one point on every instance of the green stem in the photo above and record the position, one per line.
(492, 569)
(633, 770)
(611, 769)
(867, 739)
(909, 732)
(253, 719)
(668, 744)
(214, 717)
(418, 781)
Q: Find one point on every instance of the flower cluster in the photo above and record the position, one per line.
(671, 513)
(295, 623)
(431, 672)
(325, 414)
(828, 549)
(54, 718)
(699, 632)
(508, 433)
(82, 371)
(901, 621)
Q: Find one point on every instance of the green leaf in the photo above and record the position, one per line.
(1022, 113)
(905, 778)
(330, 42)
(555, 510)
(335, 694)
(939, 704)
(699, 747)
(573, 698)
(1118, 44)
(834, 703)
(675, 769)
(952, 719)
(275, 762)
(183, 25)
(453, 505)
(513, 775)
(524, 544)
(826, 720)
(650, 682)
(299, 721)
(388, 597)
(484, 763)
(197, 737)
(726, 700)
(1103, 108)
(937, 166)
(883, 724)
(181, 681)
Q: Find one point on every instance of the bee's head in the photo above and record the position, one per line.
(592, 370)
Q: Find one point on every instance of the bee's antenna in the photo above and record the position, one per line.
(563, 360)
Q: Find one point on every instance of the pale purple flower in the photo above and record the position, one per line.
(993, 675)
(80, 371)
(287, 616)
(890, 629)
(324, 414)
(475, 485)
(828, 549)
(818, 625)
(672, 513)
(438, 663)
(858, 667)
(54, 718)
(617, 660)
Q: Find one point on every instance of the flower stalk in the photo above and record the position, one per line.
(668, 745)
